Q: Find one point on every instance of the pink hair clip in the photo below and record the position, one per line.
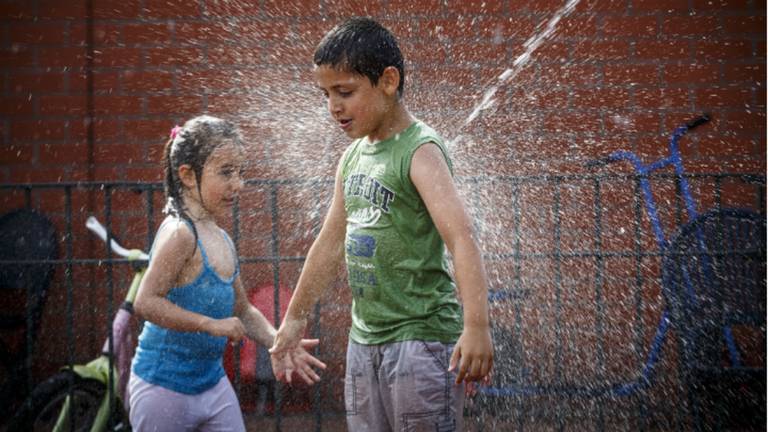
(175, 131)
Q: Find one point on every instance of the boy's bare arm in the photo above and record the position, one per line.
(432, 178)
(321, 267)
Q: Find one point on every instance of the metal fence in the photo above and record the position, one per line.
(580, 295)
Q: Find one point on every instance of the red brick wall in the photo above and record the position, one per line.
(614, 75)
(155, 63)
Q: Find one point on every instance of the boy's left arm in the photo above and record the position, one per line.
(432, 178)
(263, 332)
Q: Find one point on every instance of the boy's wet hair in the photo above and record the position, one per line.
(192, 145)
(363, 46)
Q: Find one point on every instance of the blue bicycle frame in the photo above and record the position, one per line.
(643, 171)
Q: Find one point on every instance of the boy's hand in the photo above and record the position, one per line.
(299, 361)
(474, 355)
(287, 340)
(288, 335)
(230, 327)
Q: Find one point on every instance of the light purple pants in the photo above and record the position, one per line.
(402, 386)
(157, 409)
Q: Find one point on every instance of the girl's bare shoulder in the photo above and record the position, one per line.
(175, 234)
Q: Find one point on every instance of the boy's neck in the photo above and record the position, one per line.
(398, 120)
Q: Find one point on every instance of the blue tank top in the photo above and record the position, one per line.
(189, 362)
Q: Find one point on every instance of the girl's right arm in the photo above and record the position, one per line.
(173, 249)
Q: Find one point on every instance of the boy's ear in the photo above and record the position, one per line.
(187, 176)
(390, 80)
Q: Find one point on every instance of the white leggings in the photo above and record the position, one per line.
(157, 409)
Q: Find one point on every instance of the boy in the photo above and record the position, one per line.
(394, 209)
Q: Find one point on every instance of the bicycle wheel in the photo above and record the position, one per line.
(42, 409)
(715, 287)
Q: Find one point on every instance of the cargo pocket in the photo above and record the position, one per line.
(435, 421)
(353, 392)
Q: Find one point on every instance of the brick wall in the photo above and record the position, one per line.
(615, 74)
(90, 91)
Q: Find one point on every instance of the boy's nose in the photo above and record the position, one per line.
(334, 106)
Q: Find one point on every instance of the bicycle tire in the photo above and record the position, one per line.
(41, 410)
(714, 278)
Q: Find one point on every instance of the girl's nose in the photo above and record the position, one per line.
(238, 183)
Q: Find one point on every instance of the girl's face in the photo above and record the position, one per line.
(222, 178)
(358, 107)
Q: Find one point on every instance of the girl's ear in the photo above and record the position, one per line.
(187, 176)
(390, 80)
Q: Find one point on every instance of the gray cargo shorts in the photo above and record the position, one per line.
(402, 386)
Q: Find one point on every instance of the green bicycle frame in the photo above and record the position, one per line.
(98, 369)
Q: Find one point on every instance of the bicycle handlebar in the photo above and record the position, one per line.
(626, 155)
(597, 163)
(698, 121)
(94, 225)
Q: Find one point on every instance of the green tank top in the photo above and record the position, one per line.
(396, 263)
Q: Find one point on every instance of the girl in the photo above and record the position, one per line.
(191, 295)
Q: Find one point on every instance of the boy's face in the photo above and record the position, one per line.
(357, 106)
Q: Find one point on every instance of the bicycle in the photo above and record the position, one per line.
(706, 254)
(85, 397)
